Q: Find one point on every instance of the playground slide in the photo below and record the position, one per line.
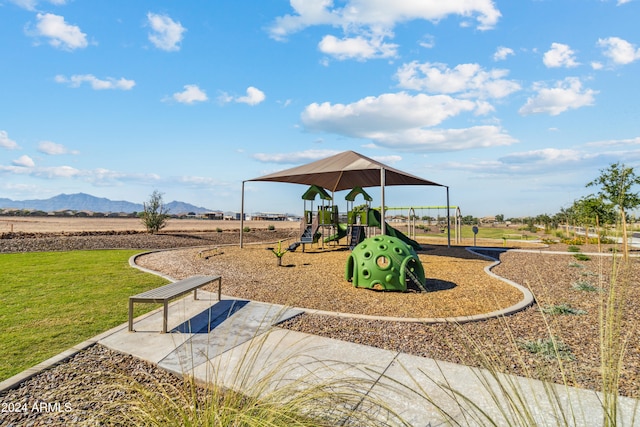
(342, 232)
(374, 221)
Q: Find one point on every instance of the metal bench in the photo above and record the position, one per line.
(168, 292)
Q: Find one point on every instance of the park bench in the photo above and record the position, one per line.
(168, 292)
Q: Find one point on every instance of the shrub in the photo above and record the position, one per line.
(562, 309)
(581, 257)
(550, 348)
(585, 287)
(219, 230)
(246, 229)
(271, 227)
(573, 248)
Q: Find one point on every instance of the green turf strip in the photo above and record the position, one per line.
(51, 301)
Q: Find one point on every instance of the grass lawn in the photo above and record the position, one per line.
(484, 232)
(54, 300)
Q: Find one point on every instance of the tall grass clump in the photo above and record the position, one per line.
(253, 385)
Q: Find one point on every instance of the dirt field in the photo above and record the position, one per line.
(68, 224)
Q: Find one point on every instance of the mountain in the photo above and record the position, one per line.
(87, 202)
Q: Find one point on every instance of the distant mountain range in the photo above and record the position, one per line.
(87, 202)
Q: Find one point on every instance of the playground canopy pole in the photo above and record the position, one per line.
(448, 220)
(383, 225)
(242, 216)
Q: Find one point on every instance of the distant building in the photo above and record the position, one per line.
(215, 215)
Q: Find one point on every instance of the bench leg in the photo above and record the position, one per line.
(219, 288)
(164, 317)
(130, 316)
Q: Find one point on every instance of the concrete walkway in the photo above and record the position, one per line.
(235, 343)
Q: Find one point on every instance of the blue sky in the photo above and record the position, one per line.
(515, 105)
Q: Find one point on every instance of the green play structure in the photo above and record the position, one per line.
(385, 263)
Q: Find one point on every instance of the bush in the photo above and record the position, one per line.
(561, 309)
(219, 230)
(246, 229)
(581, 257)
(271, 227)
(550, 348)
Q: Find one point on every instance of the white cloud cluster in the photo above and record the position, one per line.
(619, 50)
(96, 83)
(502, 53)
(60, 34)
(31, 4)
(54, 149)
(367, 23)
(190, 95)
(468, 80)
(560, 55)
(294, 158)
(565, 95)
(24, 161)
(166, 33)
(6, 142)
(359, 47)
(402, 121)
(254, 96)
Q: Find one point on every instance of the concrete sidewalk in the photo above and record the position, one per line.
(235, 343)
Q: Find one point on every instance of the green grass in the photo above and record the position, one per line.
(54, 300)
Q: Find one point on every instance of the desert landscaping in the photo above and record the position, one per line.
(314, 280)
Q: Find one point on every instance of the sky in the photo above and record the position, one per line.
(514, 105)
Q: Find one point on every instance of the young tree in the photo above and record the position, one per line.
(155, 214)
(615, 186)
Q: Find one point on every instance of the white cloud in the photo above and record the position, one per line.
(24, 161)
(254, 96)
(358, 14)
(560, 55)
(53, 149)
(167, 34)
(443, 140)
(595, 65)
(109, 83)
(502, 53)
(616, 142)
(6, 142)
(31, 4)
(388, 160)
(399, 120)
(359, 47)
(294, 158)
(61, 35)
(391, 111)
(190, 95)
(428, 41)
(567, 94)
(619, 51)
(468, 80)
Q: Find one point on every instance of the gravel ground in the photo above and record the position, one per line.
(316, 278)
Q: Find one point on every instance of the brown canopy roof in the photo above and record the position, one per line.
(345, 171)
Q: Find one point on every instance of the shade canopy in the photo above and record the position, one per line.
(345, 171)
